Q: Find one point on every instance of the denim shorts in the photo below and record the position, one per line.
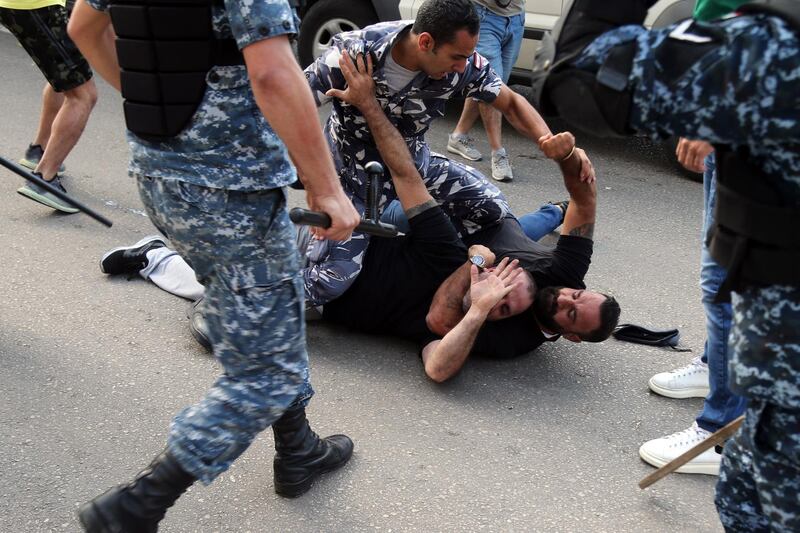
(500, 40)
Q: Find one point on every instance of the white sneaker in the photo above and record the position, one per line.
(690, 381)
(659, 452)
(501, 168)
(462, 145)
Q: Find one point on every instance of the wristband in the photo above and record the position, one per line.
(569, 154)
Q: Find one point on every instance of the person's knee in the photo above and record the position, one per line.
(84, 94)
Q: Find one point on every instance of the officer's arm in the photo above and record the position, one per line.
(92, 33)
(520, 113)
(283, 96)
(526, 120)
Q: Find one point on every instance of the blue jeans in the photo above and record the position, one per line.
(500, 40)
(721, 405)
(539, 223)
(535, 225)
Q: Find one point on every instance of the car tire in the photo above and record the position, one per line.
(325, 19)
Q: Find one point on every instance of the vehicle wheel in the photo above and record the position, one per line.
(325, 19)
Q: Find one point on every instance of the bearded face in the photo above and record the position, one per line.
(545, 307)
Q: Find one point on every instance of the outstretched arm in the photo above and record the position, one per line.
(526, 120)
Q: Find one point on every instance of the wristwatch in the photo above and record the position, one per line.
(478, 261)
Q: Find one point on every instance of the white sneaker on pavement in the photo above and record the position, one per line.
(501, 168)
(659, 452)
(690, 381)
(462, 145)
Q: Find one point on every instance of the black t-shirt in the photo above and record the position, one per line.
(565, 265)
(399, 278)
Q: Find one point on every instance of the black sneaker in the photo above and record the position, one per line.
(38, 194)
(32, 157)
(130, 259)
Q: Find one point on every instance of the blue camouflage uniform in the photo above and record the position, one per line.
(746, 94)
(464, 194)
(217, 191)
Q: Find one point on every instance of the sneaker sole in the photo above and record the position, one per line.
(31, 165)
(462, 154)
(502, 178)
(123, 248)
(680, 394)
(710, 469)
(27, 193)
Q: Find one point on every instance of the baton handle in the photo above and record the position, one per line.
(54, 191)
(305, 217)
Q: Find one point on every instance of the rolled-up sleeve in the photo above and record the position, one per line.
(255, 21)
(483, 82)
(324, 73)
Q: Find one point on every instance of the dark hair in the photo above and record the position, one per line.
(444, 18)
(609, 317)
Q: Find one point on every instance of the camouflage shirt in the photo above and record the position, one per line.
(228, 143)
(411, 110)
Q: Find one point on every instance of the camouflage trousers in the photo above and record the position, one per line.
(759, 480)
(241, 246)
(471, 202)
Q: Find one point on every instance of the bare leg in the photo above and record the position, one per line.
(468, 117)
(51, 104)
(67, 127)
(493, 123)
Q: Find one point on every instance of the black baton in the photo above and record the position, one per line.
(54, 191)
(305, 217)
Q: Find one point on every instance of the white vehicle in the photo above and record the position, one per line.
(322, 19)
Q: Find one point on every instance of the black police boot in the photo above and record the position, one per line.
(301, 456)
(198, 324)
(139, 506)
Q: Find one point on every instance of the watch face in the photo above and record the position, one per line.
(478, 260)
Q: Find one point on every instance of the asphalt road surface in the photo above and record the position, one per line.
(92, 368)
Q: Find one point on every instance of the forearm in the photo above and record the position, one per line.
(92, 33)
(283, 96)
(446, 307)
(448, 355)
(581, 192)
(393, 149)
(524, 117)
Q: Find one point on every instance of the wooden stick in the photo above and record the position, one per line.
(718, 437)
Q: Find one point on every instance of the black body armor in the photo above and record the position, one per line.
(165, 49)
(756, 231)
